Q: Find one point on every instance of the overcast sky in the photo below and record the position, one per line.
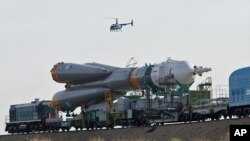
(36, 34)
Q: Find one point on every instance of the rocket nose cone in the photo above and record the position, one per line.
(184, 72)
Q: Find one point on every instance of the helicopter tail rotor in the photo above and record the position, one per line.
(132, 22)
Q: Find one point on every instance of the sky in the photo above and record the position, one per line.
(36, 34)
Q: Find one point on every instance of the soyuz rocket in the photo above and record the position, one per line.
(88, 83)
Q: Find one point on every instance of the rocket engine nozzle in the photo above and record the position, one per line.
(199, 70)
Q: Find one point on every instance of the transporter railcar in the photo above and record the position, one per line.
(38, 116)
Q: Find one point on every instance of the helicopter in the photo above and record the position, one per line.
(117, 26)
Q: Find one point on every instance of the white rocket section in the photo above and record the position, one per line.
(183, 72)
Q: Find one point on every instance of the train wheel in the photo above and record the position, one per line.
(212, 117)
(11, 129)
(225, 116)
(203, 119)
(16, 129)
(245, 114)
(217, 117)
(198, 118)
(101, 127)
(185, 119)
(35, 128)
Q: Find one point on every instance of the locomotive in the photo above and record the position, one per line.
(37, 116)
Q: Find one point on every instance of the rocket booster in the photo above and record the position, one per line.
(87, 83)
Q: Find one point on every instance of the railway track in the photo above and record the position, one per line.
(195, 131)
(134, 127)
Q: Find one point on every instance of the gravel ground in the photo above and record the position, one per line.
(208, 131)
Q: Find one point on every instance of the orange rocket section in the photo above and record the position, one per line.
(133, 79)
(55, 76)
(55, 104)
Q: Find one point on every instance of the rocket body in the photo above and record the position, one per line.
(87, 84)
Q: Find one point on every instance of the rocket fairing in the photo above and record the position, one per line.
(88, 83)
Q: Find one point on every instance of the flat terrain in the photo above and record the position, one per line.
(208, 131)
